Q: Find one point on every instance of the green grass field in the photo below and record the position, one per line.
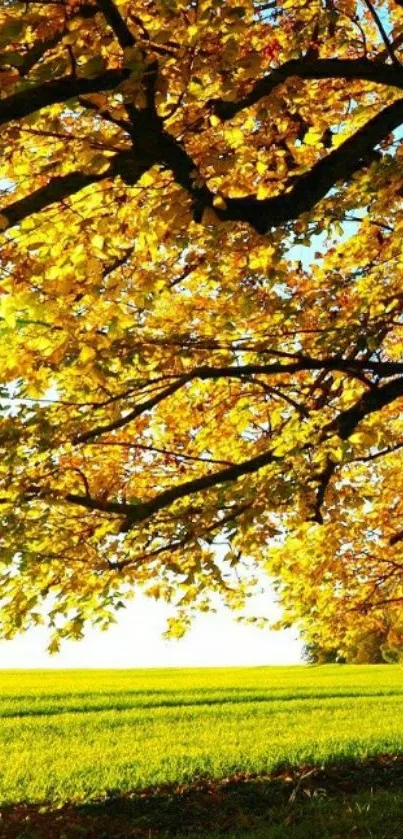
(80, 736)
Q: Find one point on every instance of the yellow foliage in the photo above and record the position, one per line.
(200, 311)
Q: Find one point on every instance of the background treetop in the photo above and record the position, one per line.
(201, 308)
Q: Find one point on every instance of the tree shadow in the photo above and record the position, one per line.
(289, 799)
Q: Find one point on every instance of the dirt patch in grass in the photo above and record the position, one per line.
(239, 804)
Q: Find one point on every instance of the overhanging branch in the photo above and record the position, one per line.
(351, 367)
(137, 513)
(344, 426)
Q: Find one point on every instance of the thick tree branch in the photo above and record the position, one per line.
(372, 400)
(307, 190)
(64, 186)
(36, 52)
(360, 69)
(133, 514)
(311, 187)
(32, 99)
(56, 190)
(150, 138)
(396, 538)
(117, 24)
(127, 40)
(324, 481)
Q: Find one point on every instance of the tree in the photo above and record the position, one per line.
(201, 331)
(379, 644)
(371, 648)
(313, 653)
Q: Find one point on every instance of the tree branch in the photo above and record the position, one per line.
(311, 187)
(204, 373)
(397, 537)
(63, 186)
(307, 190)
(371, 401)
(57, 189)
(117, 24)
(32, 99)
(37, 51)
(345, 424)
(382, 32)
(125, 444)
(324, 481)
(136, 513)
(233, 514)
(136, 412)
(40, 48)
(361, 69)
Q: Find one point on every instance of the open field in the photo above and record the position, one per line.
(81, 736)
(77, 735)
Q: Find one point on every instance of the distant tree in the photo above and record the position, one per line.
(392, 649)
(367, 649)
(378, 646)
(313, 653)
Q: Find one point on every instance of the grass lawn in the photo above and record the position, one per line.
(195, 740)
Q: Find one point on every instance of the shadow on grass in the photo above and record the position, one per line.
(208, 700)
(354, 799)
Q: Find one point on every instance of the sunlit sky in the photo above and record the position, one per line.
(136, 641)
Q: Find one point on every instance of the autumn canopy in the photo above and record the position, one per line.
(201, 311)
